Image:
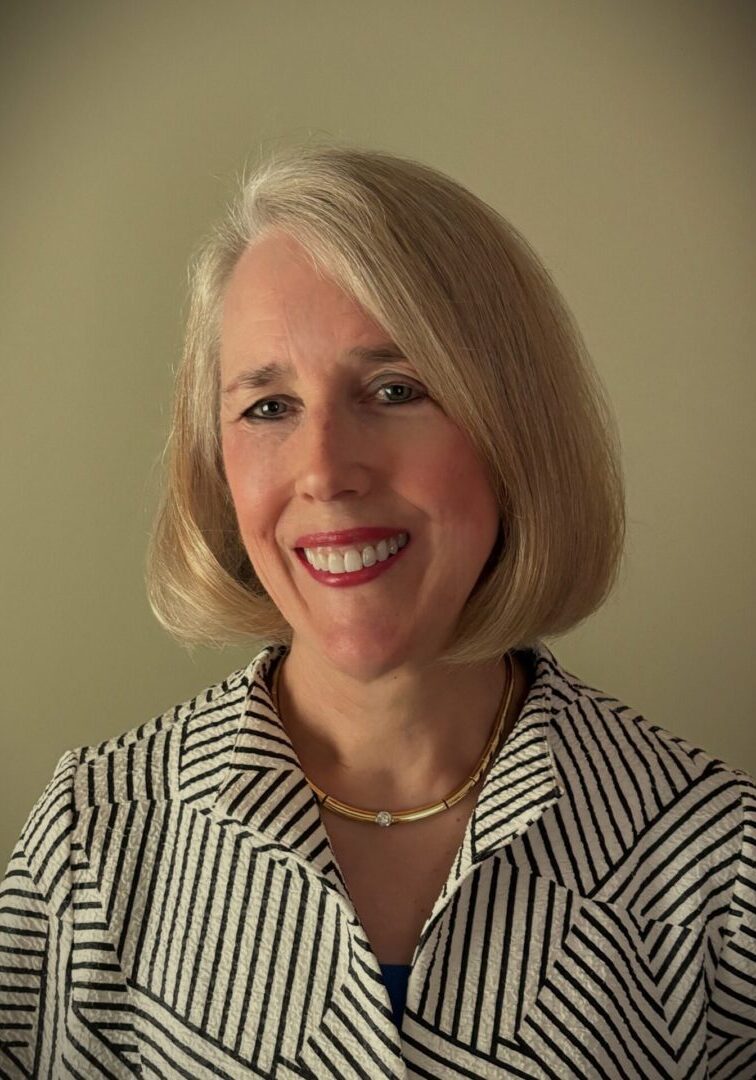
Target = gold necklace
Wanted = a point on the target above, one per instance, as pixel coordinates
(386, 817)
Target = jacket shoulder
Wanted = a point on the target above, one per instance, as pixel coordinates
(639, 776)
(187, 714)
(174, 755)
(169, 756)
(626, 734)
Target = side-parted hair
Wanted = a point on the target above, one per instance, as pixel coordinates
(469, 302)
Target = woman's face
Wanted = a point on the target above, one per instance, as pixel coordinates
(336, 444)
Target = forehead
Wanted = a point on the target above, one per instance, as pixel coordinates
(275, 287)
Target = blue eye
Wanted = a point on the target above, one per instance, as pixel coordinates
(251, 416)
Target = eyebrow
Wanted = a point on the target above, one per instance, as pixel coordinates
(268, 373)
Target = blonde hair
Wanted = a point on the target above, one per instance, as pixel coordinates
(462, 294)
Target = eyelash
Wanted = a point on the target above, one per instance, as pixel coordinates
(247, 414)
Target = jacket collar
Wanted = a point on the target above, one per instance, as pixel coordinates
(264, 789)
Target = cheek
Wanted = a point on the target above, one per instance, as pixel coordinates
(462, 491)
(233, 468)
(246, 484)
(464, 519)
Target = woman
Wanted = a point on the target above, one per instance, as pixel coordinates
(391, 462)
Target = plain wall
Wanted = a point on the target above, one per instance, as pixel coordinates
(618, 138)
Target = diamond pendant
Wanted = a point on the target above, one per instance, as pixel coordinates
(383, 817)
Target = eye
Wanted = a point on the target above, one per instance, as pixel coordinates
(270, 408)
(392, 392)
(407, 393)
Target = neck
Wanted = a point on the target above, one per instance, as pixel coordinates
(406, 737)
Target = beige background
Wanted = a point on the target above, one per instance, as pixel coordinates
(618, 137)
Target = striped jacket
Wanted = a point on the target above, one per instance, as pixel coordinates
(173, 909)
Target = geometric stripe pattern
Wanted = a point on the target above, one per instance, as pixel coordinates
(173, 908)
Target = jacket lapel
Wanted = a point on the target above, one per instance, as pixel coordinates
(264, 788)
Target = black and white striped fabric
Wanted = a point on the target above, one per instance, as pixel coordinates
(173, 909)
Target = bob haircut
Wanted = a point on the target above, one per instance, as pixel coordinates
(465, 297)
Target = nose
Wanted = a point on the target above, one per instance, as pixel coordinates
(332, 456)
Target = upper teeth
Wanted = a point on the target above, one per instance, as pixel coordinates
(347, 560)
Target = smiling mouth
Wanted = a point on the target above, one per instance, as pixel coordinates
(336, 572)
(350, 559)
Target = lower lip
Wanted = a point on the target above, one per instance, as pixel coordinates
(357, 577)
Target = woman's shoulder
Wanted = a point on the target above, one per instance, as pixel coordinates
(597, 740)
(167, 756)
(204, 710)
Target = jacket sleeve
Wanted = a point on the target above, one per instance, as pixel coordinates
(35, 917)
(732, 1005)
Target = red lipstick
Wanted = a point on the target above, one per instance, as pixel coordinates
(361, 535)
(356, 577)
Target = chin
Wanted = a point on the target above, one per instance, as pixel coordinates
(366, 656)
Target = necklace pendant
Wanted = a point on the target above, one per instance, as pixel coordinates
(383, 817)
